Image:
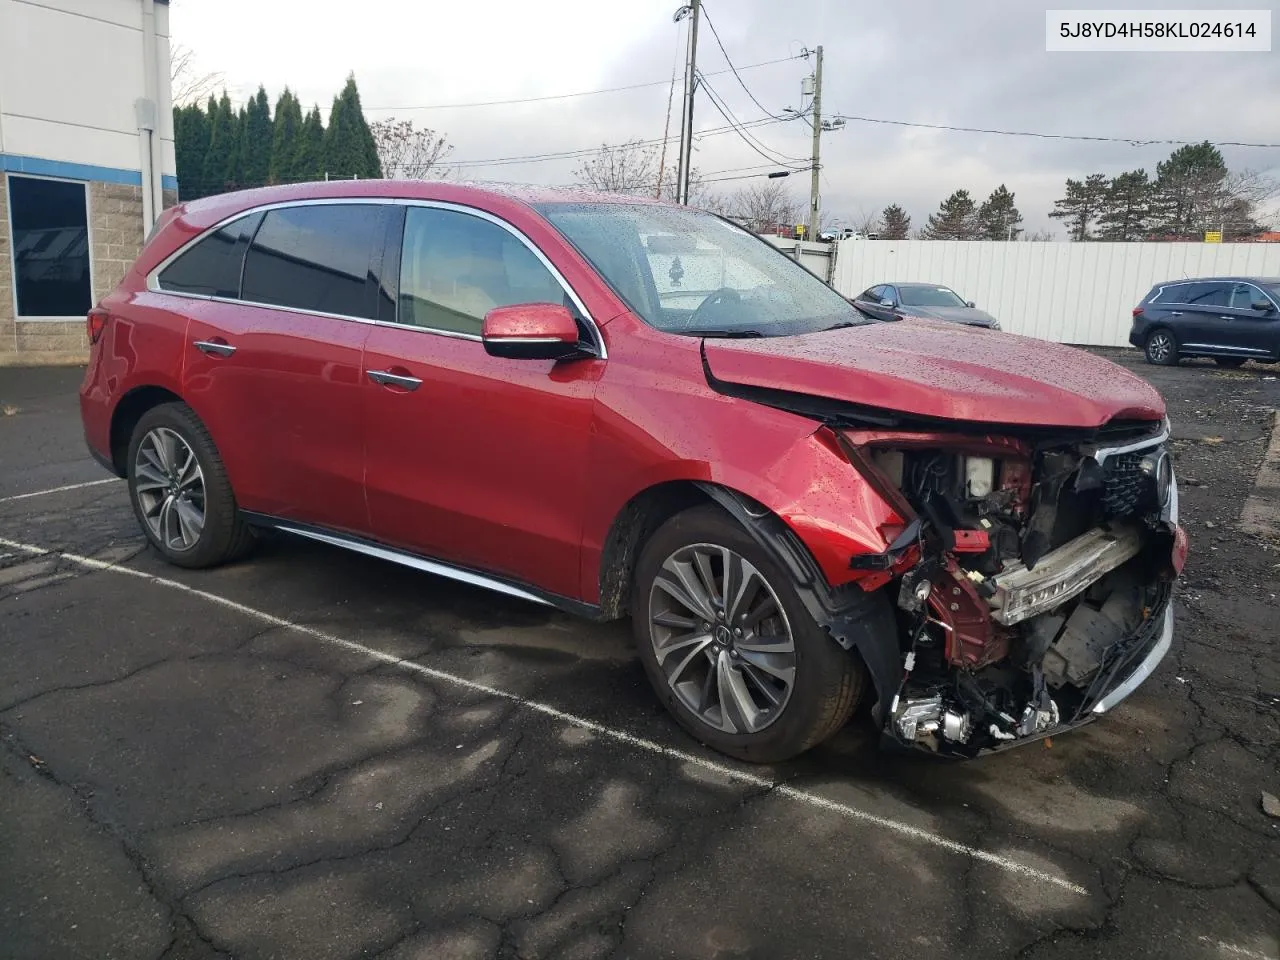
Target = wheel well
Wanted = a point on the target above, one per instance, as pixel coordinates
(1157, 328)
(635, 523)
(126, 416)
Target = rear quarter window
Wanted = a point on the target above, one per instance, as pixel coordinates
(211, 266)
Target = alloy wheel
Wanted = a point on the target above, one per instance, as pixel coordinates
(169, 485)
(721, 638)
(1159, 347)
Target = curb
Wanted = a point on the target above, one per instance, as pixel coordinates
(1261, 513)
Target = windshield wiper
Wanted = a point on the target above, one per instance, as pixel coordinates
(846, 323)
(727, 334)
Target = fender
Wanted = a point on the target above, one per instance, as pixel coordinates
(861, 622)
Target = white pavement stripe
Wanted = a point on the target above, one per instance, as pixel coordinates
(70, 486)
(1231, 950)
(620, 736)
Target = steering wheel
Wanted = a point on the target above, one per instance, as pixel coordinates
(715, 299)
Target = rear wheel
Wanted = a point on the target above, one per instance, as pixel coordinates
(729, 646)
(180, 491)
(1161, 348)
(1230, 363)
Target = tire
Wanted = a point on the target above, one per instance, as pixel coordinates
(169, 432)
(1161, 347)
(826, 681)
(1231, 363)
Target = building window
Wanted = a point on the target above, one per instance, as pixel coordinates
(50, 224)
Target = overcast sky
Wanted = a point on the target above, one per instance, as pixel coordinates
(978, 63)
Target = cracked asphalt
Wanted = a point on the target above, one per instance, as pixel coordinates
(303, 776)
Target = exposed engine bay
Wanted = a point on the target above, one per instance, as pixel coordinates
(1031, 577)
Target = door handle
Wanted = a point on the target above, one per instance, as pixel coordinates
(214, 348)
(388, 379)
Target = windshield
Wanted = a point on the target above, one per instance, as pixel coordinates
(687, 271)
(922, 296)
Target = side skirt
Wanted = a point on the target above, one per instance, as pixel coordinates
(476, 578)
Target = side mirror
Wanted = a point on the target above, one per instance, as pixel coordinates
(1262, 306)
(970, 304)
(887, 303)
(531, 331)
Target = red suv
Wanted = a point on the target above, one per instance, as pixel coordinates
(619, 407)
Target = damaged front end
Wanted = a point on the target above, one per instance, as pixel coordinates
(1032, 576)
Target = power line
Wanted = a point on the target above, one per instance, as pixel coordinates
(1132, 141)
(587, 151)
(725, 53)
(567, 96)
(738, 127)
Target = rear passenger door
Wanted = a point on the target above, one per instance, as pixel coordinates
(470, 458)
(275, 371)
(1205, 325)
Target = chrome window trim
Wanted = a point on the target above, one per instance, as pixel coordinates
(153, 277)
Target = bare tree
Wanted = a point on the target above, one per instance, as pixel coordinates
(764, 207)
(630, 167)
(407, 153)
(186, 82)
(1038, 236)
(866, 223)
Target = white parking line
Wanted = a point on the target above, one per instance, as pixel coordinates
(1231, 950)
(70, 486)
(620, 736)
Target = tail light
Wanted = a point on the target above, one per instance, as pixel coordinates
(1138, 311)
(95, 323)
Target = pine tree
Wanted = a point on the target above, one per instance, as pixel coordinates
(955, 219)
(1126, 207)
(190, 144)
(1190, 190)
(1081, 205)
(308, 160)
(349, 148)
(284, 138)
(897, 224)
(255, 145)
(218, 172)
(998, 218)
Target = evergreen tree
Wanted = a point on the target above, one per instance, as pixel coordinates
(1126, 207)
(1081, 205)
(255, 144)
(308, 160)
(897, 224)
(284, 138)
(190, 144)
(1190, 190)
(349, 148)
(998, 218)
(219, 170)
(955, 219)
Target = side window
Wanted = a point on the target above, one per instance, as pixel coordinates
(889, 293)
(1208, 295)
(316, 258)
(211, 267)
(1243, 296)
(455, 268)
(870, 295)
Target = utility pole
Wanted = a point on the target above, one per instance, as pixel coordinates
(817, 146)
(686, 123)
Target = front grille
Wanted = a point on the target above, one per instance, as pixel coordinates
(1126, 490)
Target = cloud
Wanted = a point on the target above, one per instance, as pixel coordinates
(980, 63)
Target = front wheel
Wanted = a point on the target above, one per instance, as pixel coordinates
(180, 491)
(1161, 348)
(729, 646)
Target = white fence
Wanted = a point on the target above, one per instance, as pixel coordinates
(816, 256)
(1082, 293)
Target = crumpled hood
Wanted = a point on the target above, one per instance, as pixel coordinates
(970, 315)
(943, 370)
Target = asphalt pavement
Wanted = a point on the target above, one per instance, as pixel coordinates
(314, 754)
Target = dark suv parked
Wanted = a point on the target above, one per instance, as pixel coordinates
(1231, 319)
